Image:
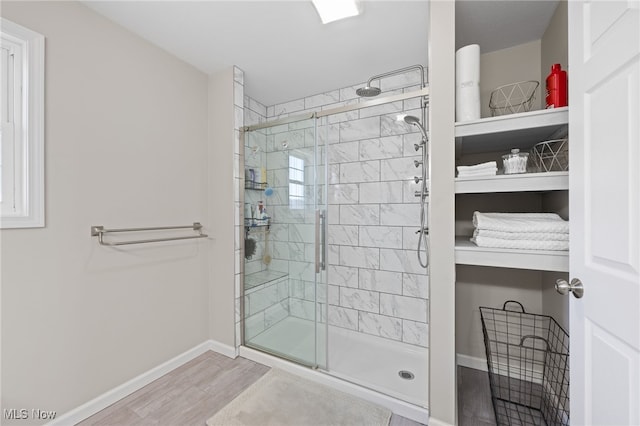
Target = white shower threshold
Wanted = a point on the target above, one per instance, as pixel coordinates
(361, 365)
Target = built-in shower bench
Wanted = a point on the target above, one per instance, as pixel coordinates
(262, 278)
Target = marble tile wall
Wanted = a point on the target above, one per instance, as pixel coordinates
(265, 306)
(294, 227)
(375, 284)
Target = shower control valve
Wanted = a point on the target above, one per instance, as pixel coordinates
(420, 194)
(424, 230)
(417, 163)
(417, 179)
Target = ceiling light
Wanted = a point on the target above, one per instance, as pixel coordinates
(332, 10)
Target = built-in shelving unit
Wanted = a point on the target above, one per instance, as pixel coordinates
(500, 134)
(549, 181)
(467, 253)
(510, 131)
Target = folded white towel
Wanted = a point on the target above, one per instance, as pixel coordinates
(539, 236)
(520, 222)
(521, 244)
(481, 166)
(477, 173)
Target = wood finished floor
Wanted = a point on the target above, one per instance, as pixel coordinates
(474, 398)
(190, 394)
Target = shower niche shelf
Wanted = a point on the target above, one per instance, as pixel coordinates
(467, 253)
(255, 224)
(255, 186)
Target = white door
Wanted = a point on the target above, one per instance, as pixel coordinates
(604, 130)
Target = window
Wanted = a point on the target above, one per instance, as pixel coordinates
(296, 183)
(22, 130)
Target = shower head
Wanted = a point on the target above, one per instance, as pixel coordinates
(415, 121)
(368, 91)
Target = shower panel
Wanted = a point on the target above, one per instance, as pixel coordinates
(423, 240)
(284, 288)
(371, 91)
(351, 296)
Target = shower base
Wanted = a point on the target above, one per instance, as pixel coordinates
(366, 360)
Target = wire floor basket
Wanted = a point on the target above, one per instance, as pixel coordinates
(528, 360)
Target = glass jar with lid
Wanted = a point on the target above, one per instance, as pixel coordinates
(515, 162)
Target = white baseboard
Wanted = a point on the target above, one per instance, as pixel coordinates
(397, 406)
(223, 349)
(505, 369)
(101, 402)
(436, 422)
(471, 362)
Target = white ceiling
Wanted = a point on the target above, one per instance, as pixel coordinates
(496, 25)
(285, 51)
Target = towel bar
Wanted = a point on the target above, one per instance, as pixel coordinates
(99, 231)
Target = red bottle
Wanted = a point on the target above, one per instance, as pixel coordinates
(557, 87)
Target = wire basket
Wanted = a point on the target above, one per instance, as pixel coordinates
(528, 360)
(551, 155)
(513, 98)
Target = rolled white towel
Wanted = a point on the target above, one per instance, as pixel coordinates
(521, 244)
(520, 222)
(535, 236)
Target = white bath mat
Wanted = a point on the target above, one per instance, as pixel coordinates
(279, 398)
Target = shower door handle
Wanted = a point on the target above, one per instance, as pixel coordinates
(320, 241)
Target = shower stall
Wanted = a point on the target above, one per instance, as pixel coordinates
(335, 187)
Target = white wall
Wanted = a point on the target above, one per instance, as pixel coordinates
(478, 286)
(555, 44)
(126, 144)
(511, 65)
(222, 207)
(442, 315)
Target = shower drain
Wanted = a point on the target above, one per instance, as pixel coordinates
(407, 375)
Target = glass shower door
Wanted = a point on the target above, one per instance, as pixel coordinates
(284, 276)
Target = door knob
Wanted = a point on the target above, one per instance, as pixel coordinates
(576, 287)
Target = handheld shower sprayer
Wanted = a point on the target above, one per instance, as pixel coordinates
(415, 121)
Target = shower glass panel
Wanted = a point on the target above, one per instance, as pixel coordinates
(364, 318)
(284, 302)
(377, 289)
